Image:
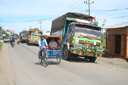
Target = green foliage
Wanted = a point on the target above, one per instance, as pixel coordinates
(3, 32)
(0, 27)
(7, 35)
(122, 65)
(103, 39)
(0, 45)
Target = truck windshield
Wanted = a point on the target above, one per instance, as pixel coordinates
(6, 38)
(87, 31)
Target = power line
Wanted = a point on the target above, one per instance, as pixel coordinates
(26, 20)
(70, 9)
(70, 6)
(39, 19)
(111, 9)
(52, 18)
(75, 6)
(115, 17)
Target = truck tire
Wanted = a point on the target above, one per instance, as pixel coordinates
(66, 53)
(28, 42)
(92, 59)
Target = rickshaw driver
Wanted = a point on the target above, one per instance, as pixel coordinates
(53, 44)
(42, 44)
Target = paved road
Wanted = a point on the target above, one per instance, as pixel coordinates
(27, 71)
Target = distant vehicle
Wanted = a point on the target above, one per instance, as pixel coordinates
(33, 36)
(15, 36)
(1, 38)
(18, 42)
(23, 36)
(6, 39)
(13, 43)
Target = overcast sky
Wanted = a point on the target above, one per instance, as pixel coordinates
(26, 10)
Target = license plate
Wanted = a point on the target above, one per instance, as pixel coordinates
(88, 53)
(77, 52)
(98, 54)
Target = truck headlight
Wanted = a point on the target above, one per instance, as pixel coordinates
(92, 48)
(87, 46)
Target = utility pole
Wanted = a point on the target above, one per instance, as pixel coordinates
(104, 22)
(40, 22)
(30, 27)
(88, 2)
(1, 29)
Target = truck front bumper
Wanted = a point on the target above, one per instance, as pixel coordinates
(82, 52)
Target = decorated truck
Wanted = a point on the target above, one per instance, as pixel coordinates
(15, 36)
(80, 36)
(23, 36)
(33, 36)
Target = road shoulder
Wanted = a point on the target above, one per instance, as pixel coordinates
(6, 74)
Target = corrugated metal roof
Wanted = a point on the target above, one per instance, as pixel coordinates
(124, 24)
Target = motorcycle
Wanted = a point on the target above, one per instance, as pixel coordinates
(13, 43)
(18, 42)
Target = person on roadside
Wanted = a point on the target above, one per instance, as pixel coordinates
(53, 44)
(11, 40)
(42, 44)
(18, 40)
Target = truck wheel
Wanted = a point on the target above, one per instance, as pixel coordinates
(28, 43)
(92, 59)
(66, 53)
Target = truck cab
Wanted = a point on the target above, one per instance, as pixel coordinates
(82, 39)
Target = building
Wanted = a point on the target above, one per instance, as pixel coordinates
(10, 32)
(1, 37)
(117, 39)
(47, 33)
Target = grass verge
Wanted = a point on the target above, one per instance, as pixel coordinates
(122, 65)
(0, 45)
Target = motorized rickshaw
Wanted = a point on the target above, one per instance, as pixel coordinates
(53, 54)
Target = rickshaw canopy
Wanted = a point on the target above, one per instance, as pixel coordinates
(56, 38)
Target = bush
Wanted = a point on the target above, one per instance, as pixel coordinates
(0, 45)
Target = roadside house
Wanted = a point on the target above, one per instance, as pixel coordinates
(117, 40)
(10, 32)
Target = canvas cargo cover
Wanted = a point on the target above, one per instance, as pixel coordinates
(24, 33)
(59, 22)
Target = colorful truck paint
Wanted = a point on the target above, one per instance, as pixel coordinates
(87, 44)
(34, 36)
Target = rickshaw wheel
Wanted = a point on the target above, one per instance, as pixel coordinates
(39, 58)
(58, 60)
(45, 61)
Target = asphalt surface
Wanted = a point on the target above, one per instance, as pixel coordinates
(27, 70)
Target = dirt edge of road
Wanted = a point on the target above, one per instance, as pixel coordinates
(6, 74)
